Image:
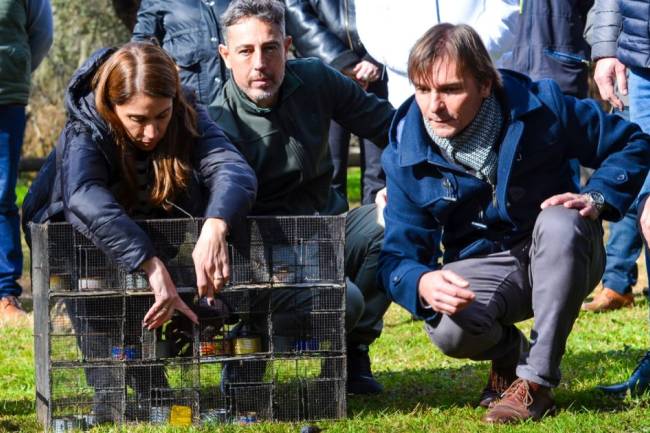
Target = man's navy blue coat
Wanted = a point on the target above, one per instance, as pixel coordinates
(544, 130)
(82, 174)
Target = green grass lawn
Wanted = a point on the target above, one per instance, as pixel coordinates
(425, 391)
(354, 186)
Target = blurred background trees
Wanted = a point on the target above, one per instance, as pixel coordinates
(80, 27)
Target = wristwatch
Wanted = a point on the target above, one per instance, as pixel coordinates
(596, 200)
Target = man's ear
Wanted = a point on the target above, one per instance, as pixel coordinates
(225, 52)
(486, 88)
(288, 40)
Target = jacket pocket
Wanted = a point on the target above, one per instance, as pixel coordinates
(187, 58)
(188, 47)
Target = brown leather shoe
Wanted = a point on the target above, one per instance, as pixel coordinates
(523, 400)
(11, 311)
(607, 300)
(498, 382)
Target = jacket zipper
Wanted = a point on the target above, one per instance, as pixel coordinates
(346, 23)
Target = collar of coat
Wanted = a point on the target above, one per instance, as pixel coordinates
(408, 127)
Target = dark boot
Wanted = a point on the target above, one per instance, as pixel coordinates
(638, 382)
(360, 378)
(498, 382)
(523, 400)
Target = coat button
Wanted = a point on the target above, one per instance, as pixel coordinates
(214, 39)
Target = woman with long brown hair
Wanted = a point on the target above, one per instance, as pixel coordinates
(134, 146)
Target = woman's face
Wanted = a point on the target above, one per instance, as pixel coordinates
(145, 119)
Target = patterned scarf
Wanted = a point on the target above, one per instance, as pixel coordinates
(474, 146)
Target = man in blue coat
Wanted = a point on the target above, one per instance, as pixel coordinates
(484, 157)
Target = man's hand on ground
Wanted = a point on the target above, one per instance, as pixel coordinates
(445, 291)
(610, 71)
(569, 200)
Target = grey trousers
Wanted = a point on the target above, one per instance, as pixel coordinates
(546, 277)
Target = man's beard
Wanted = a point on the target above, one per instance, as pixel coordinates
(263, 95)
(271, 92)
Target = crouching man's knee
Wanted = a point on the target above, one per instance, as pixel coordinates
(562, 226)
(450, 338)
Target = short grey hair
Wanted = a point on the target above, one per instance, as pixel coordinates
(269, 11)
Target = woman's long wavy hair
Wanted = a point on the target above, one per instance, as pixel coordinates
(144, 68)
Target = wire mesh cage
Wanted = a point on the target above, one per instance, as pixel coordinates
(271, 346)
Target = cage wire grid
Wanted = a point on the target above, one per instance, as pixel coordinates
(272, 347)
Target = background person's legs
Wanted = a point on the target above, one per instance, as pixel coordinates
(624, 243)
(12, 128)
(639, 91)
(372, 175)
(621, 273)
(339, 141)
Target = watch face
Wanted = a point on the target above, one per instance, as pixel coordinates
(597, 200)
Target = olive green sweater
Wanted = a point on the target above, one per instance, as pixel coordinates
(287, 145)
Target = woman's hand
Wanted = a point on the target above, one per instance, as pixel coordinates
(167, 299)
(210, 256)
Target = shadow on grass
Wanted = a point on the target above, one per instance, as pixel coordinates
(443, 388)
(17, 407)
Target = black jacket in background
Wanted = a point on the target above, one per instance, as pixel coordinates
(326, 29)
(555, 25)
(189, 31)
(80, 177)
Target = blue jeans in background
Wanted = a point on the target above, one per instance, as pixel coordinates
(625, 241)
(12, 129)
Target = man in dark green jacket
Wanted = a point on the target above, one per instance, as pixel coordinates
(278, 112)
